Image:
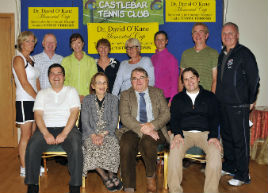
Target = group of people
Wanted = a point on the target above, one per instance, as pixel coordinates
(214, 90)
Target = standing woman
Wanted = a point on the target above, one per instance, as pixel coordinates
(109, 66)
(122, 81)
(99, 121)
(79, 67)
(27, 86)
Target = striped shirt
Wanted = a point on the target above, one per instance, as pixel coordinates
(42, 63)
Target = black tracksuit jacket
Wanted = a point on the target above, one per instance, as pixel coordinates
(240, 81)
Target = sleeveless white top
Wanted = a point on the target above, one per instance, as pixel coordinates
(32, 74)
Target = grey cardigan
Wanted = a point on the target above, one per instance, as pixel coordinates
(89, 114)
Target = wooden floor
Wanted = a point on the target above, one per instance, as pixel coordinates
(58, 177)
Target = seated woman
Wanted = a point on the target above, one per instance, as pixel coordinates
(122, 81)
(99, 121)
(105, 64)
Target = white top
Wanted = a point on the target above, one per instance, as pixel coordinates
(192, 96)
(122, 81)
(149, 108)
(56, 106)
(32, 75)
(42, 63)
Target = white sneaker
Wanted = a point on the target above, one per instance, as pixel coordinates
(235, 182)
(42, 170)
(22, 172)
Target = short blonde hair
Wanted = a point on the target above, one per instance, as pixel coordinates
(23, 36)
(134, 42)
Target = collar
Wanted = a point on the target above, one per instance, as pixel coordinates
(161, 52)
(200, 89)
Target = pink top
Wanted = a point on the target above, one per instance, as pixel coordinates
(166, 72)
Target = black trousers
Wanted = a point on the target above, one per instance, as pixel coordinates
(234, 123)
(37, 145)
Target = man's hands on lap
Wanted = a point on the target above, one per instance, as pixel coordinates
(216, 142)
(148, 129)
(177, 140)
(50, 139)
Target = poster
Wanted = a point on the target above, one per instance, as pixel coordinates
(53, 18)
(190, 10)
(118, 34)
(123, 11)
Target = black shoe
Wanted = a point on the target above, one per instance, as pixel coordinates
(74, 189)
(32, 188)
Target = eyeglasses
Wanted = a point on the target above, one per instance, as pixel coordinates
(101, 83)
(136, 79)
(131, 47)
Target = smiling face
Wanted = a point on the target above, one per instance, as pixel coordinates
(199, 34)
(100, 85)
(28, 44)
(132, 51)
(49, 43)
(139, 81)
(191, 82)
(229, 36)
(160, 42)
(103, 50)
(77, 45)
(56, 78)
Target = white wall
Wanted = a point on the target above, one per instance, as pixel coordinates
(251, 16)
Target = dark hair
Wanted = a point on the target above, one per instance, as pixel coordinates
(56, 65)
(103, 42)
(93, 81)
(139, 69)
(161, 32)
(74, 37)
(189, 69)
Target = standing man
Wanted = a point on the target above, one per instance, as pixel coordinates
(144, 114)
(201, 57)
(194, 122)
(55, 110)
(46, 58)
(237, 87)
(166, 69)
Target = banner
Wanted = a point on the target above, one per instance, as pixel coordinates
(190, 10)
(53, 18)
(118, 34)
(122, 11)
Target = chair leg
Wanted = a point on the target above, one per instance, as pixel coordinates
(165, 170)
(45, 166)
(83, 182)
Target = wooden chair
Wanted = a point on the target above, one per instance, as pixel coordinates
(54, 151)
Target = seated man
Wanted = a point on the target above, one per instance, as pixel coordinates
(194, 122)
(55, 110)
(144, 114)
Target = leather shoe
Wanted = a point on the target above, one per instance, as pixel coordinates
(151, 185)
